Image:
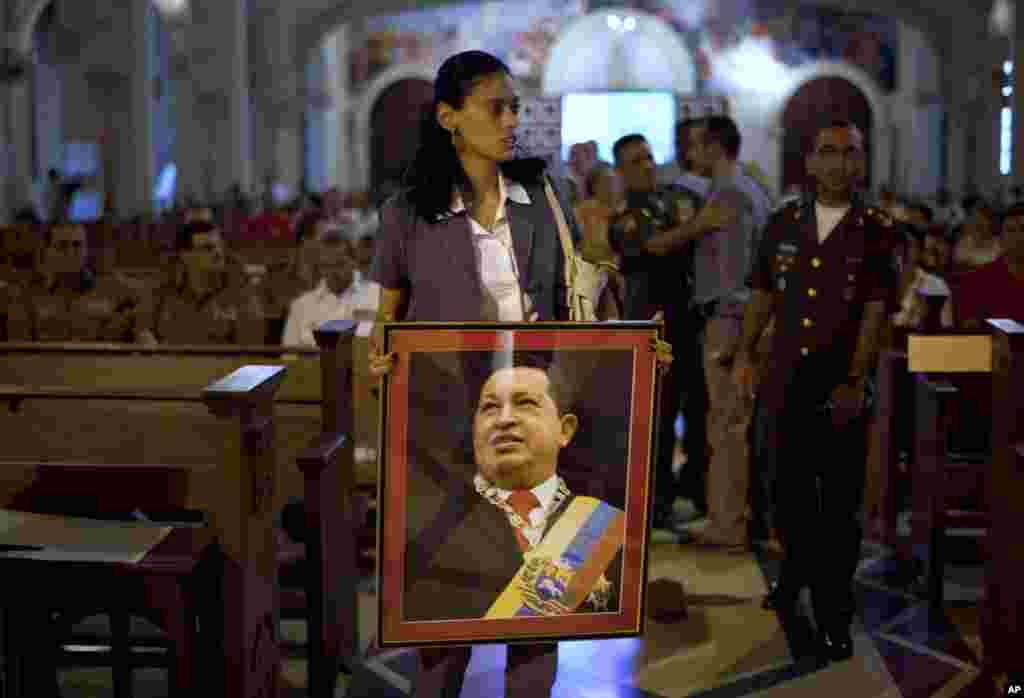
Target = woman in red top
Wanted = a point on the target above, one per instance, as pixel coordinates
(996, 290)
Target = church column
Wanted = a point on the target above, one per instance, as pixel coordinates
(15, 125)
(281, 103)
(188, 185)
(187, 135)
(342, 110)
(18, 166)
(288, 145)
(226, 95)
(134, 167)
(958, 87)
(1017, 55)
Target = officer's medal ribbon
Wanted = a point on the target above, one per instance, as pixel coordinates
(568, 565)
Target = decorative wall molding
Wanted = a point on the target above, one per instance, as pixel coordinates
(881, 117)
(363, 112)
(575, 61)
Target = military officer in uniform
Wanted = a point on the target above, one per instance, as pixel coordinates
(206, 304)
(66, 301)
(826, 269)
(660, 282)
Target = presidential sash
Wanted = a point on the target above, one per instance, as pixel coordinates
(567, 565)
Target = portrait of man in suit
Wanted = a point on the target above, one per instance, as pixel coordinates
(506, 537)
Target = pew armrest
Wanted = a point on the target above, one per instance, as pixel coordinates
(316, 457)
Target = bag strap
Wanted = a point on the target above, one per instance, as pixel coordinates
(563, 229)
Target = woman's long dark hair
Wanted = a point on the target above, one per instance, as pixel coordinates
(436, 171)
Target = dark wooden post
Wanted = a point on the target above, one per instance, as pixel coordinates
(1003, 614)
(333, 518)
(880, 503)
(243, 519)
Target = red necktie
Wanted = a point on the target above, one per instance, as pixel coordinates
(522, 503)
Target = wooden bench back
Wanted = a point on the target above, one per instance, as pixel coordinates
(950, 352)
(225, 468)
(960, 361)
(117, 367)
(213, 454)
(154, 376)
(124, 403)
(1008, 394)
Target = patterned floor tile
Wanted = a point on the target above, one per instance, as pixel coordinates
(965, 618)
(878, 607)
(726, 648)
(921, 628)
(863, 676)
(917, 674)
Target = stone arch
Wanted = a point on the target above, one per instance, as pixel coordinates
(667, 60)
(363, 111)
(881, 165)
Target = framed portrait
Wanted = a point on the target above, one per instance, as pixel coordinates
(516, 481)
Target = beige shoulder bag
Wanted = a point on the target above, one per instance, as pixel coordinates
(584, 281)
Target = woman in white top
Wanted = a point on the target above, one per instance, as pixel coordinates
(473, 238)
(607, 200)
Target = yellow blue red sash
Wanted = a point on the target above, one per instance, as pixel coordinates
(558, 575)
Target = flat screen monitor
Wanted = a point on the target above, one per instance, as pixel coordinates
(607, 116)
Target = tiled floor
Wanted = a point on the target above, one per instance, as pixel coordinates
(726, 647)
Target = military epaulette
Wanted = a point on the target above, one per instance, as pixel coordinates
(880, 217)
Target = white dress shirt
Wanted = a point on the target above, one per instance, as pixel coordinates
(313, 308)
(495, 256)
(828, 218)
(545, 494)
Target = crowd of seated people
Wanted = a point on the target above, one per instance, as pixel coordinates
(963, 254)
(188, 277)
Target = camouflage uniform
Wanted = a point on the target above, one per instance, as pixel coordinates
(92, 310)
(224, 316)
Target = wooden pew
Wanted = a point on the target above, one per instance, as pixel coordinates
(162, 370)
(157, 377)
(238, 615)
(949, 467)
(880, 504)
(335, 514)
(1002, 621)
(892, 425)
(92, 374)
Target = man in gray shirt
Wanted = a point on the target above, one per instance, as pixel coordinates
(724, 232)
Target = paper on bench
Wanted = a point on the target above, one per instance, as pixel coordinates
(78, 539)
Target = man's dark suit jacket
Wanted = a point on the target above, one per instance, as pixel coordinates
(457, 568)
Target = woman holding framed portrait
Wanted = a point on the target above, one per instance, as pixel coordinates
(474, 237)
